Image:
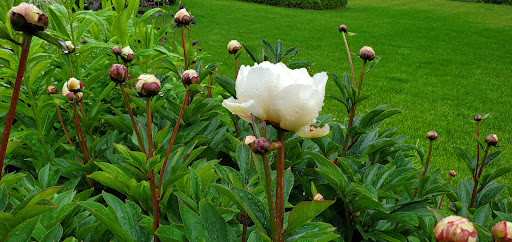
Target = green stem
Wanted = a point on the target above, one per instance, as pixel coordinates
(477, 178)
(442, 197)
(79, 134)
(236, 67)
(127, 103)
(270, 197)
(426, 165)
(348, 217)
(349, 59)
(184, 47)
(149, 124)
(25, 43)
(70, 65)
(477, 150)
(280, 186)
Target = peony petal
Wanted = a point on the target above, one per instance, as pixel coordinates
(320, 80)
(243, 110)
(311, 131)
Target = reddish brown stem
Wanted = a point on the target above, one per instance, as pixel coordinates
(236, 67)
(79, 133)
(176, 126)
(349, 59)
(184, 46)
(244, 229)
(210, 81)
(154, 194)
(25, 47)
(426, 164)
(125, 97)
(477, 178)
(442, 197)
(149, 124)
(280, 185)
(477, 150)
(270, 197)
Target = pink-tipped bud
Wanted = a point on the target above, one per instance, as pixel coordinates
(52, 90)
(452, 173)
(147, 85)
(71, 46)
(455, 228)
(502, 232)
(259, 146)
(116, 50)
(491, 139)
(249, 139)
(318, 197)
(342, 28)
(234, 46)
(190, 77)
(432, 135)
(27, 18)
(478, 118)
(74, 85)
(127, 54)
(118, 73)
(366, 53)
(182, 17)
(70, 95)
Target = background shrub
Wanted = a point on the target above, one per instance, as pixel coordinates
(307, 4)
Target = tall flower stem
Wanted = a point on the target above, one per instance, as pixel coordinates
(127, 103)
(184, 46)
(236, 67)
(442, 197)
(427, 163)
(270, 197)
(349, 59)
(353, 110)
(25, 47)
(477, 178)
(477, 149)
(79, 133)
(70, 65)
(280, 186)
(174, 132)
(154, 195)
(210, 82)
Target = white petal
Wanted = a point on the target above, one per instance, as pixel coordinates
(320, 80)
(243, 110)
(310, 131)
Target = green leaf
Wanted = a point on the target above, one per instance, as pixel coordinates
(53, 234)
(52, 40)
(11, 179)
(105, 217)
(215, 223)
(227, 84)
(483, 216)
(32, 210)
(57, 19)
(250, 51)
(119, 29)
(195, 228)
(299, 64)
(23, 232)
(124, 216)
(119, 5)
(170, 233)
(438, 214)
(49, 176)
(488, 178)
(305, 212)
(312, 231)
(488, 194)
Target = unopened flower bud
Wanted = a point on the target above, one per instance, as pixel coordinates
(274, 145)
(260, 146)
(455, 228)
(71, 46)
(116, 50)
(190, 77)
(478, 118)
(234, 46)
(74, 85)
(27, 18)
(147, 85)
(318, 197)
(70, 95)
(127, 54)
(491, 139)
(182, 17)
(432, 135)
(366, 53)
(343, 28)
(118, 73)
(52, 90)
(249, 139)
(452, 173)
(502, 232)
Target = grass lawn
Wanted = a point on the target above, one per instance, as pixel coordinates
(443, 61)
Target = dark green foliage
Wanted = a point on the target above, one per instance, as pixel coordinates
(307, 4)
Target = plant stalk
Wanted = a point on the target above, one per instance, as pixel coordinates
(349, 59)
(477, 149)
(154, 195)
(79, 134)
(127, 103)
(25, 47)
(236, 67)
(70, 65)
(477, 178)
(429, 154)
(184, 46)
(210, 81)
(280, 186)
(270, 197)
(442, 197)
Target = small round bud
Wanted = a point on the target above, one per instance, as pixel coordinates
(190, 77)
(182, 17)
(318, 197)
(366, 53)
(71, 46)
(452, 173)
(259, 146)
(478, 118)
(118, 73)
(502, 231)
(455, 228)
(74, 85)
(491, 139)
(52, 90)
(27, 18)
(116, 50)
(234, 46)
(343, 28)
(249, 139)
(127, 54)
(432, 135)
(147, 85)
(70, 95)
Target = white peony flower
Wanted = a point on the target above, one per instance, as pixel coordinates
(289, 98)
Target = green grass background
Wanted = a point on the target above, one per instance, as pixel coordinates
(442, 61)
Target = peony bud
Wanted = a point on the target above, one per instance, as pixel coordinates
(432, 135)
(452, 173)
(71, 46)
(491, 139)
(190, 77)
(259, 146)
(249, 139)
(366, 53)
(343, 28)
(502, 232)
(478, 118)
(233, 47)
(71, 95)
(116, 50)
(127, 54)
(27, 18)
(74, 85)
(318, 197)
(182, 17)
(147, 85)
(118, 73)
(455, 228)
(52, 90)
